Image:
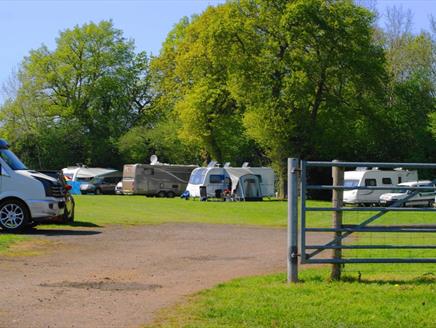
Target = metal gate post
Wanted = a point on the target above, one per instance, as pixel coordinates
(292, 220)
(337, 201)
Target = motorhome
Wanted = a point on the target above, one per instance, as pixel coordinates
(246, 183)
(155, 179)
(27, 197)
(423, 197)
(373, 178)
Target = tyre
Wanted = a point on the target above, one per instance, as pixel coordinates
(161, 194)
(171, 194)
(14, 215)
(98, 191)
(431, 203)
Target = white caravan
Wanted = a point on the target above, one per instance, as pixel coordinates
(26, 196)
(424, 197)
(373, 178)
(247, 183)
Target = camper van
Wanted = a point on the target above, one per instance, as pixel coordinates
(155, 179)
(26, 196)
(373, 178)
(245, 183)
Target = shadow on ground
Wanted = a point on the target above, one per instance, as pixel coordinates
(83, 224)
(60, 232)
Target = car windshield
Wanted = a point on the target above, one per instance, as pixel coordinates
(12, 160)
(351, 183)
(197, 176)
(96, 180)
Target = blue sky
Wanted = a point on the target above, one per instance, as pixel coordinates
(26, 24)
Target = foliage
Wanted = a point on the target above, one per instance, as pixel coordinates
(192, 83)
(77, 100)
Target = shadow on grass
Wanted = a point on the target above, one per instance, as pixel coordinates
(425, 279)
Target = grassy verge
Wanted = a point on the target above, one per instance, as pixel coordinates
(6, 241)
(379, 301)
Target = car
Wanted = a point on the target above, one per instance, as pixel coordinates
(68, 216)
(101, 184)
(424, 197)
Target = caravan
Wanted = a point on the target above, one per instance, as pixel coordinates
(155, 179)
(247, 183)
(373, 178)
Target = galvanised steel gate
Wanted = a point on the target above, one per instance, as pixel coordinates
(298, 188)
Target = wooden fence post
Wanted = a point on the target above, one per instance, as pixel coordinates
(337, 202)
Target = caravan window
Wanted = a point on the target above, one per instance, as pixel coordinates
(370, 182)
(216, 178)
(387, 181)
(351, 183)
(148, 171)
(197, 176)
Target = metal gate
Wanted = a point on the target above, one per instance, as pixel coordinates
(366, 222)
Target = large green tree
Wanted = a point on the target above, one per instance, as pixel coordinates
(76, 101)
(192, 83)
(308, 74)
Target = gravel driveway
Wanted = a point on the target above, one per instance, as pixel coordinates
(120, 276)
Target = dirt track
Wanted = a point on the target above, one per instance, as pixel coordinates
(120, 276)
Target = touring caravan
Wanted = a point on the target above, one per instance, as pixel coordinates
(247, 183)
(155, 179)
(373, 178)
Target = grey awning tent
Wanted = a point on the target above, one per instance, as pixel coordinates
(245, 183)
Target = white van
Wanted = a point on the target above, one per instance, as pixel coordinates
(373, 178)
(26, 197)
(247, 183)
(422, 198)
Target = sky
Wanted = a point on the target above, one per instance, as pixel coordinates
(27, 24)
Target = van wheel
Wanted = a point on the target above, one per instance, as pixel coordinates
(14, 215)
(171, 194)
(98, 191)
(161, 194)
(431, 203)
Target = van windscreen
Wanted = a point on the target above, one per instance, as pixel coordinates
(197, 176)
(12, 160)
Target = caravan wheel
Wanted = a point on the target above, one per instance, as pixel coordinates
(161, 194)
(171, 194)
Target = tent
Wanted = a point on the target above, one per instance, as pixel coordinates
(245, 183)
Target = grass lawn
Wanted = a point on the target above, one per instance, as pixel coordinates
(269, 302)
(103, 210)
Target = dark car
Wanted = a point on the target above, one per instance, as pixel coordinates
(101, 185)
(68, 216)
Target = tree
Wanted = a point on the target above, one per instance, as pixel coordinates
(303, 70)
(77, 100)
(192, 83)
